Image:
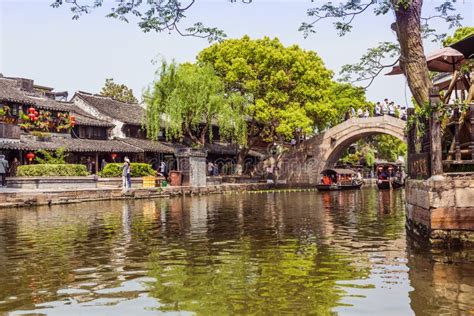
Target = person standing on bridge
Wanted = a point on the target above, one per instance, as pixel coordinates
(353, 112)
(378, 109)
(360, 113)
(366, 113)
(391, 109)
(384, 108)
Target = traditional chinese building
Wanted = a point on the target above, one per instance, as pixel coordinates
(31, 120)
(89, 127)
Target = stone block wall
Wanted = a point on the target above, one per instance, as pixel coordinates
(441, 209)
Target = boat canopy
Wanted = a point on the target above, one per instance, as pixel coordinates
(338, 171)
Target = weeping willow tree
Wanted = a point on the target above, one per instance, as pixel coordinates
(187, 100)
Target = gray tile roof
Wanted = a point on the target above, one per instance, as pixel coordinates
(71, 145)
(129, 113)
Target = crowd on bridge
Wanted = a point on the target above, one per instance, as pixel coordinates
(380, 109)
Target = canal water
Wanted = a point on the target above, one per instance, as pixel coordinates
(273, 253)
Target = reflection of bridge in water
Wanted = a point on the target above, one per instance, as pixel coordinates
(304, 164)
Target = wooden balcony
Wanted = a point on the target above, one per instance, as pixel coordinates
(10, 131)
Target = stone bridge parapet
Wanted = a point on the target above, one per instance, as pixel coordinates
(303, 164)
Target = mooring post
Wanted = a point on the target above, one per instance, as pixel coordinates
(435, 127)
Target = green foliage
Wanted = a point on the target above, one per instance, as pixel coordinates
(288, 88)
(52, 170)
(352, 159)
(118, 92)
(370, 158)
(389, 148)
(385, 147)
(113, 170)
(190, 99)
(459, 34)
(55, 158)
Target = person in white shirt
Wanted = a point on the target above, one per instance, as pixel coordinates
(360, 113)
(366, 113)
(378, 109)
(384, 109)
(391, 109)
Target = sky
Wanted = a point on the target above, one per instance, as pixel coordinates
(45, 44)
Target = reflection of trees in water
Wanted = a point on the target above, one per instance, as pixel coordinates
(46, 245)
(442, 281)
(261, 254)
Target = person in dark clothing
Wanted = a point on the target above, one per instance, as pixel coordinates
(4, 166)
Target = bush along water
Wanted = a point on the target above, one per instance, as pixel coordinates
(113, 170)
(52, 170)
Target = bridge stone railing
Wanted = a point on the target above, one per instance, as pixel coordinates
(303, 164)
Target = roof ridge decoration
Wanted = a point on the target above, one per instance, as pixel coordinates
(106, 97)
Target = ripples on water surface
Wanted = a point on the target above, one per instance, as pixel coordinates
(253, 253)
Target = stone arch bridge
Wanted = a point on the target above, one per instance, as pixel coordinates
(303, 165)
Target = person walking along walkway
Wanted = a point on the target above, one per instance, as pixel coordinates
(3, 170)
(126, 176)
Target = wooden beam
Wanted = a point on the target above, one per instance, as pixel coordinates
(457, 142)
(435, 128)
(96, 163)
(452, 85)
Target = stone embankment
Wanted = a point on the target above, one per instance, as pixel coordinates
(26, 198)
(441, 209)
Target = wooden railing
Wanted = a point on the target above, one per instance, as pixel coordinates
(9, 131)
(435, 147)
(459, 139)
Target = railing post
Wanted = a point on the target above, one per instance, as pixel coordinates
(435, 128)
(457, 142)
(471, 147)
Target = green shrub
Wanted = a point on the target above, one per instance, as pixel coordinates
(52, 170)
(113, 170)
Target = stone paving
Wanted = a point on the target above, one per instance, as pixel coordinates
(10, 197)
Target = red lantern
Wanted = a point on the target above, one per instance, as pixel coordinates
(113, 156)
(31, 116)
(36, 113)
(30, 156)
(72, 123)
(35, 118)
(72, 118)
(31, 110)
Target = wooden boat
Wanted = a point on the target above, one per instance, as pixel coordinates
(339, 179)
(389, 176)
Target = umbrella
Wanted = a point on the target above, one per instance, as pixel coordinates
(446, 59)
(465, 46)
(396, 70)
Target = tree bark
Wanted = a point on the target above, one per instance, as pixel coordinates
(412, 57)
(239, 170)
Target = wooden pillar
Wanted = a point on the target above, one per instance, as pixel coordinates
(435, 128)
(471, 116)
(457, 142)
(96, 163)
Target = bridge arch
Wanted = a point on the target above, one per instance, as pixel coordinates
(304, 165)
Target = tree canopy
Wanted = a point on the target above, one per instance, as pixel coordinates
(118, 91)
(188, 100)
(459, 34)
(288, 87)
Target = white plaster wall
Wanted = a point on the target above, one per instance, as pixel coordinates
(116, 131)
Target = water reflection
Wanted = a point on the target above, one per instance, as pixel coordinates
(272, 253)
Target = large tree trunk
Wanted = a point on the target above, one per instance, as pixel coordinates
(412, 59)
(240, 165)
